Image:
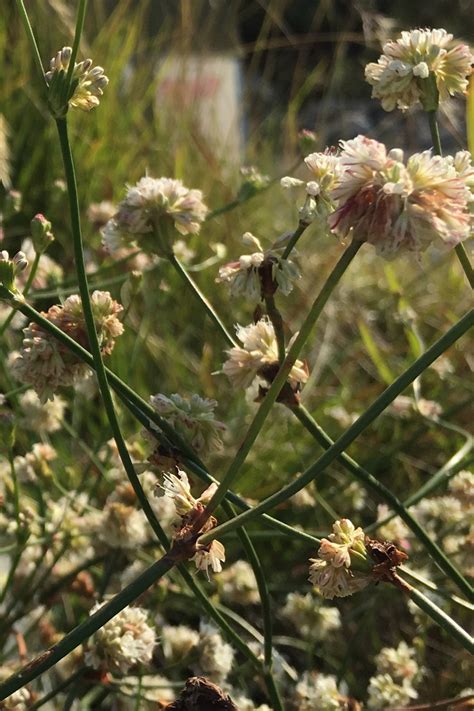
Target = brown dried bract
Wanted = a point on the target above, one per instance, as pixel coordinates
(387, 557)
(199, 694)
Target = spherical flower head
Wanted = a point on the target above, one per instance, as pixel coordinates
(45, 363)
(122, 526)
(397, 206)
(88, 83)
(126, 640)
(193, 418)
(150, 214)
(332, 573)
(258, 354)
(384, 693)
(421, 67)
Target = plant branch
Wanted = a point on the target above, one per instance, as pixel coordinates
(382, 492)
(190, 283)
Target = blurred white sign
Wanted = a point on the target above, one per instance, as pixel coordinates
(209, 88)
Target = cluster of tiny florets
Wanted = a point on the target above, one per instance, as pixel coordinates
(400, 78)
(45, 363)
(150, 212)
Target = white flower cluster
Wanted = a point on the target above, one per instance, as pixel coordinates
(258, 356)
(150, 212)
(248, 274)
(399, 77)
(91, 81)
(177, 642)
(215, 656)
(45, 363)
(317, 692)
(35, 465)
(331, 573)
(42, 417)
(310, 616)
(392, 685)
(394, 204)
(126, 640)
(193, 418)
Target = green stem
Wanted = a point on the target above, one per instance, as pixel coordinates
(351, 434)
(442, 619)
(78, 635)
(58, 689)
(215, 615)
(81, 13)
(91, 330)
(294, 239)
(282, 375)
(265, 601)
(459, 248)
(32, 39)
(29, 281)
(381, 491)
(189, 281)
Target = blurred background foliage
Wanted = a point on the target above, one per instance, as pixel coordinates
(301, 65)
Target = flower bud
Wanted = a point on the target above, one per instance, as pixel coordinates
(41, 233)
(9, 268)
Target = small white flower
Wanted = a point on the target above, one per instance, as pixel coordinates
(210, 556)
(42, 417)
(399, 662)
(310, 616)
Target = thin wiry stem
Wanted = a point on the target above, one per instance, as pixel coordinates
(205, 303)
(459, 249)
(34, 45)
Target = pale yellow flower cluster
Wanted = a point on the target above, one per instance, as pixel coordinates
(401, 77)
(90, 81)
